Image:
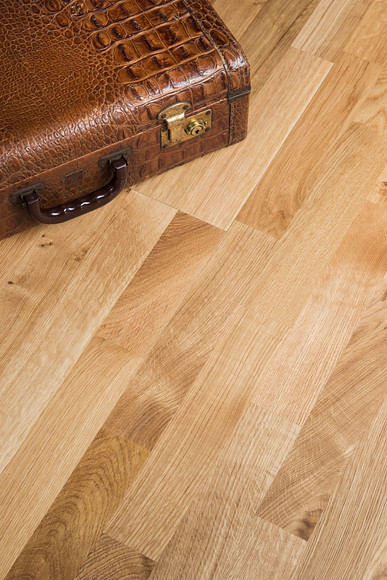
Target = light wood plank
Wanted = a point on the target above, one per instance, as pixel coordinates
(301, 255)
(301, 160)
(369, 38)
(378, 194)
(57, 441)
(150, 513)
(314, 345)
(345, 408)
(156, 392)
(238, 16)
(350, 539)
(373, 111)
(65, 287)
(160, 285)
(110, 559)
(268, 552)
(271, 33)
(330, 27)
(221, 524)
(211, 188)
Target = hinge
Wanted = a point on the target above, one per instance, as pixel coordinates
(179, 128)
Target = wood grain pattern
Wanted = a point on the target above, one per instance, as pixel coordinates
(240, 15)
(76, 519)
(159, 286)
(373, 111)
(330, 27)
(368, 40)
(302, 159)
(110, 559)
(348, 547)
(302, 254)
(314, 345)
(40, 306)
(345, 408)
(59, 438)
(159, 387)
(228, 534)
(201, 428)
(221, 198)
(378, 193)
(199, 395)
(271, 33)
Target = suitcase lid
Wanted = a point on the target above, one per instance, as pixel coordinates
(81, 75)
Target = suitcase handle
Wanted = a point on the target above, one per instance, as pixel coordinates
(72, 209)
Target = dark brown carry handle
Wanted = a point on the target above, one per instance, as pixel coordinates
(72, 209)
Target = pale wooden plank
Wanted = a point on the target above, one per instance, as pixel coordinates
(344, 409)
(373, 111)
(271, 33)
(156, 392)
(55, 444)
(221, 524)
(301, 255)
(160, 285)
(63, 288)
(238, 16)
(330, 27)
(110, 559)
(350, 539)
(301, 160)
(314, 345)
(378, 193)
(369, 38)
(211, 188)
(148, 516)
(267, 552)
(19, 245)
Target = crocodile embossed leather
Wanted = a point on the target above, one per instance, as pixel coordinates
(83, 79)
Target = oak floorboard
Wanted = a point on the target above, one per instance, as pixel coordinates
(205, 188)
(221, 523)
(57, 441)
(368, 40)
(163, 380)
(110, 559)
(271, 33)
(350, 539)
(314, 345)
(67, 283)
(160, 285)
(378, 194)
(203, 425)
(302, 254)
(239, 15)
(330, 27)
(301, 160)
(344, 409)
(74, 522)
(373, 111)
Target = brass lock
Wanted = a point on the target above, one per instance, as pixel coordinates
(179, 128)
(196, 128)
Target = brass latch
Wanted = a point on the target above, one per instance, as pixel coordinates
(179, 128)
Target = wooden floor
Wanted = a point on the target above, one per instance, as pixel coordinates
(193, 376)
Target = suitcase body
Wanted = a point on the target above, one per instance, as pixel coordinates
(99, 94)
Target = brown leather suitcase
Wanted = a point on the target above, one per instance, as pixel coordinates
(99, 94)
